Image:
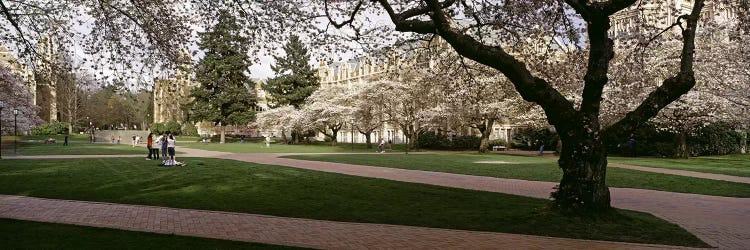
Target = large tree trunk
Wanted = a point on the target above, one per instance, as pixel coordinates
(484, 144)
(743, 142)
(413, 138)
(405, 129)
(680, 143)
(295, 137)
(334, 136)
(485, 129)
(583, 160)
(222, 138)
(368, 138)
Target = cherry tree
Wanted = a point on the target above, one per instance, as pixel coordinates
(411, 103)
(475, 96)
(368, 109)
(15, 95)
(719, 95)
(330, 109)
(583, 157)
(284, 118)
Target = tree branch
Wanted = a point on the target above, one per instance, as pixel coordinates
(592, 10)
(15, 25)
(672, 88)
(557, 108)
(351, 16)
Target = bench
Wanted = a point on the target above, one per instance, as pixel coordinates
(496, 148)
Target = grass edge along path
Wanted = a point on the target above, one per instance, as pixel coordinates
(313, 147)
(734, 165)
(534, 169)
(20, 234)
(227, 185)
(75, 148)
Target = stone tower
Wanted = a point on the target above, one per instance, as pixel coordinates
(47, 60)
(170, 93)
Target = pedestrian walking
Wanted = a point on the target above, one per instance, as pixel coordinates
(65, 143)
(631, 146)
(268, 141)
(380, 145)
(541, 148)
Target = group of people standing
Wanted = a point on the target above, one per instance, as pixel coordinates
(167, 144)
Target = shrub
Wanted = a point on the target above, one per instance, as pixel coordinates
(157, 128)
(174, 127)
(432, 140)
(529, 138)
(499, 142)
(715, 139)
(649, 141)
(189, 129)
(51, 128)
(466, 142)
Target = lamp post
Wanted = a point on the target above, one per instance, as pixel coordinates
(2, 105)
(15, 130)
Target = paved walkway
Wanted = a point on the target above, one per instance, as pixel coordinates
(280, 230)
(719, 221)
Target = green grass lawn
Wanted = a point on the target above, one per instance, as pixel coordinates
(16, 234)
(314, 147)
(226, 185)
(75, 148)
(537, 169)
(59, 138)
(737, 165)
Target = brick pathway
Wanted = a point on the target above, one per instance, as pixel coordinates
(280, 230)
(719, 221)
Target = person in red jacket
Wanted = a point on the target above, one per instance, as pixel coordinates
(149, 144)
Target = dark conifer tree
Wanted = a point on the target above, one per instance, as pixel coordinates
(226, 93)
(295, 79)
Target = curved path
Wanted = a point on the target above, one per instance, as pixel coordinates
(719, 221)
(280, 230)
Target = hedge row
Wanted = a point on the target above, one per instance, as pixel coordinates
(432, 140)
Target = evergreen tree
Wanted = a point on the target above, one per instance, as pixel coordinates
(224, 95)
(295, 80)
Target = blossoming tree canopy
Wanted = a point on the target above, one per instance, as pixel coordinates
(583, 156)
